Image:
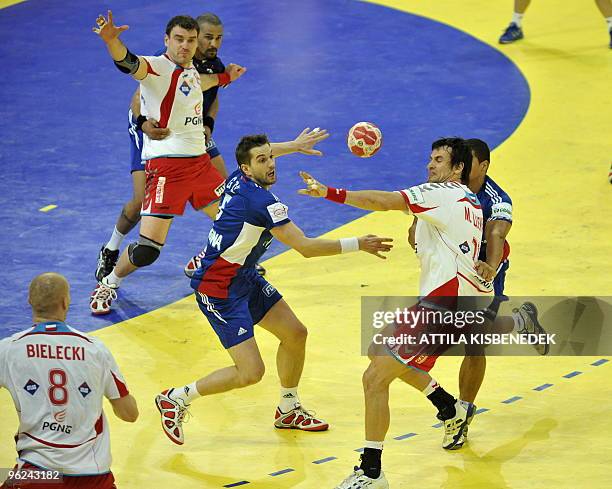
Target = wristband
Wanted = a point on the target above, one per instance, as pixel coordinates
(348, 245)
(224, 79)
(140, 120)
(336, 195)
(209, 122)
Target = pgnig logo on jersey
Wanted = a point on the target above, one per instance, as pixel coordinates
(194, 121)
(53, 426)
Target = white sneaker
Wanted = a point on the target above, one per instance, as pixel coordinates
(358, 480)
(299, 419)
(102, 297)
(173, 414)
(454, 428)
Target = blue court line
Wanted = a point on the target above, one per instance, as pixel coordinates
(512, 399)
(281, 472)
(482, 410)
(236, 484)
(542, 387)
(572, 374)
(323, 460)
(403, 437)
(600, 362)
(437, 425)
(359, 450)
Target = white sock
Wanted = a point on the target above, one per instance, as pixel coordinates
(519, 322)
(609, 22)
(289, 399)
(378, 445)
(115, 241)
(112, 279)
(517, 19)
(432, 386)
(186, 393)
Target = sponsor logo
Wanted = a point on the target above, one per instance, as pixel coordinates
(464, 247)
(198, 108)
(60, 416)
(187, 389)
(57, 427)
(185, 88)
(220, 189)
(278, 212)
(84, 389)
(415, 196)
(241, 331)
(268, 290)
(31, 387)
(215, 239)
(194, 121)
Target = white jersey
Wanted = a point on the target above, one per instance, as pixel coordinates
(58, 377)
(448, 237)
(172, 95)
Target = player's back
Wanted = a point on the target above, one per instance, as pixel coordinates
(57, 377)
(448, 237)
(239, 237)
(496, 206)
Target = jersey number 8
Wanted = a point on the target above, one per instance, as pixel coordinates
(58, 394)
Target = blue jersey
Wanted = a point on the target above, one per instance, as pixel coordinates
(496, 206)
(208, 67)
(239, 237)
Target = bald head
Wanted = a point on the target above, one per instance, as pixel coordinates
(50, 296)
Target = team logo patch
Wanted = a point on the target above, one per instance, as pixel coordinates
(415, 196)
(278, 212)
(185, 88)
(268, 290)
(84, 389)
(31, 387)
(198, 108)
(464, 247)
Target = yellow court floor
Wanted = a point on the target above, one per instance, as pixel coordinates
(555, 167)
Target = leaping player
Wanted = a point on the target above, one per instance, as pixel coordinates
(234, 298)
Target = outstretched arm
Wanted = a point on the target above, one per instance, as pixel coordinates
(370, 200)
(304, 143)
(294, 237)
(232, 73)
(124, 59)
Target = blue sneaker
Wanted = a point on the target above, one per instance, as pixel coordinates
(512, 33)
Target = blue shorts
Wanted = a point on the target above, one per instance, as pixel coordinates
(233, 319)
(211, 149)
(135, 145)
(500, 279)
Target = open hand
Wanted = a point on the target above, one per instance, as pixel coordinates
(307, 139)
(371, 243)
(106, 28)
(313, 188)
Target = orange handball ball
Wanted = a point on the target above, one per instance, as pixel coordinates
(364, 139)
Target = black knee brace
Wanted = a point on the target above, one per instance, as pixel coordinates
(143, 252)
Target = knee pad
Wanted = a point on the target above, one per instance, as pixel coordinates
(143, 252)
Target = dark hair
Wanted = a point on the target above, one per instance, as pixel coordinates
(460, 153)
(480, 149)
(185, 21)
(246, 144)
(209, 18)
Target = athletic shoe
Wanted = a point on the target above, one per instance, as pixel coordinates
(299, 419)
(469, 421)
(107, 260)
(102, 297)
(260, 270)
(512, 33)
(358, 480)
(173, 414)
(454, 428)
(529, 313)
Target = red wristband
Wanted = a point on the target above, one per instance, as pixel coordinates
(336, 195)
(224, 79)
